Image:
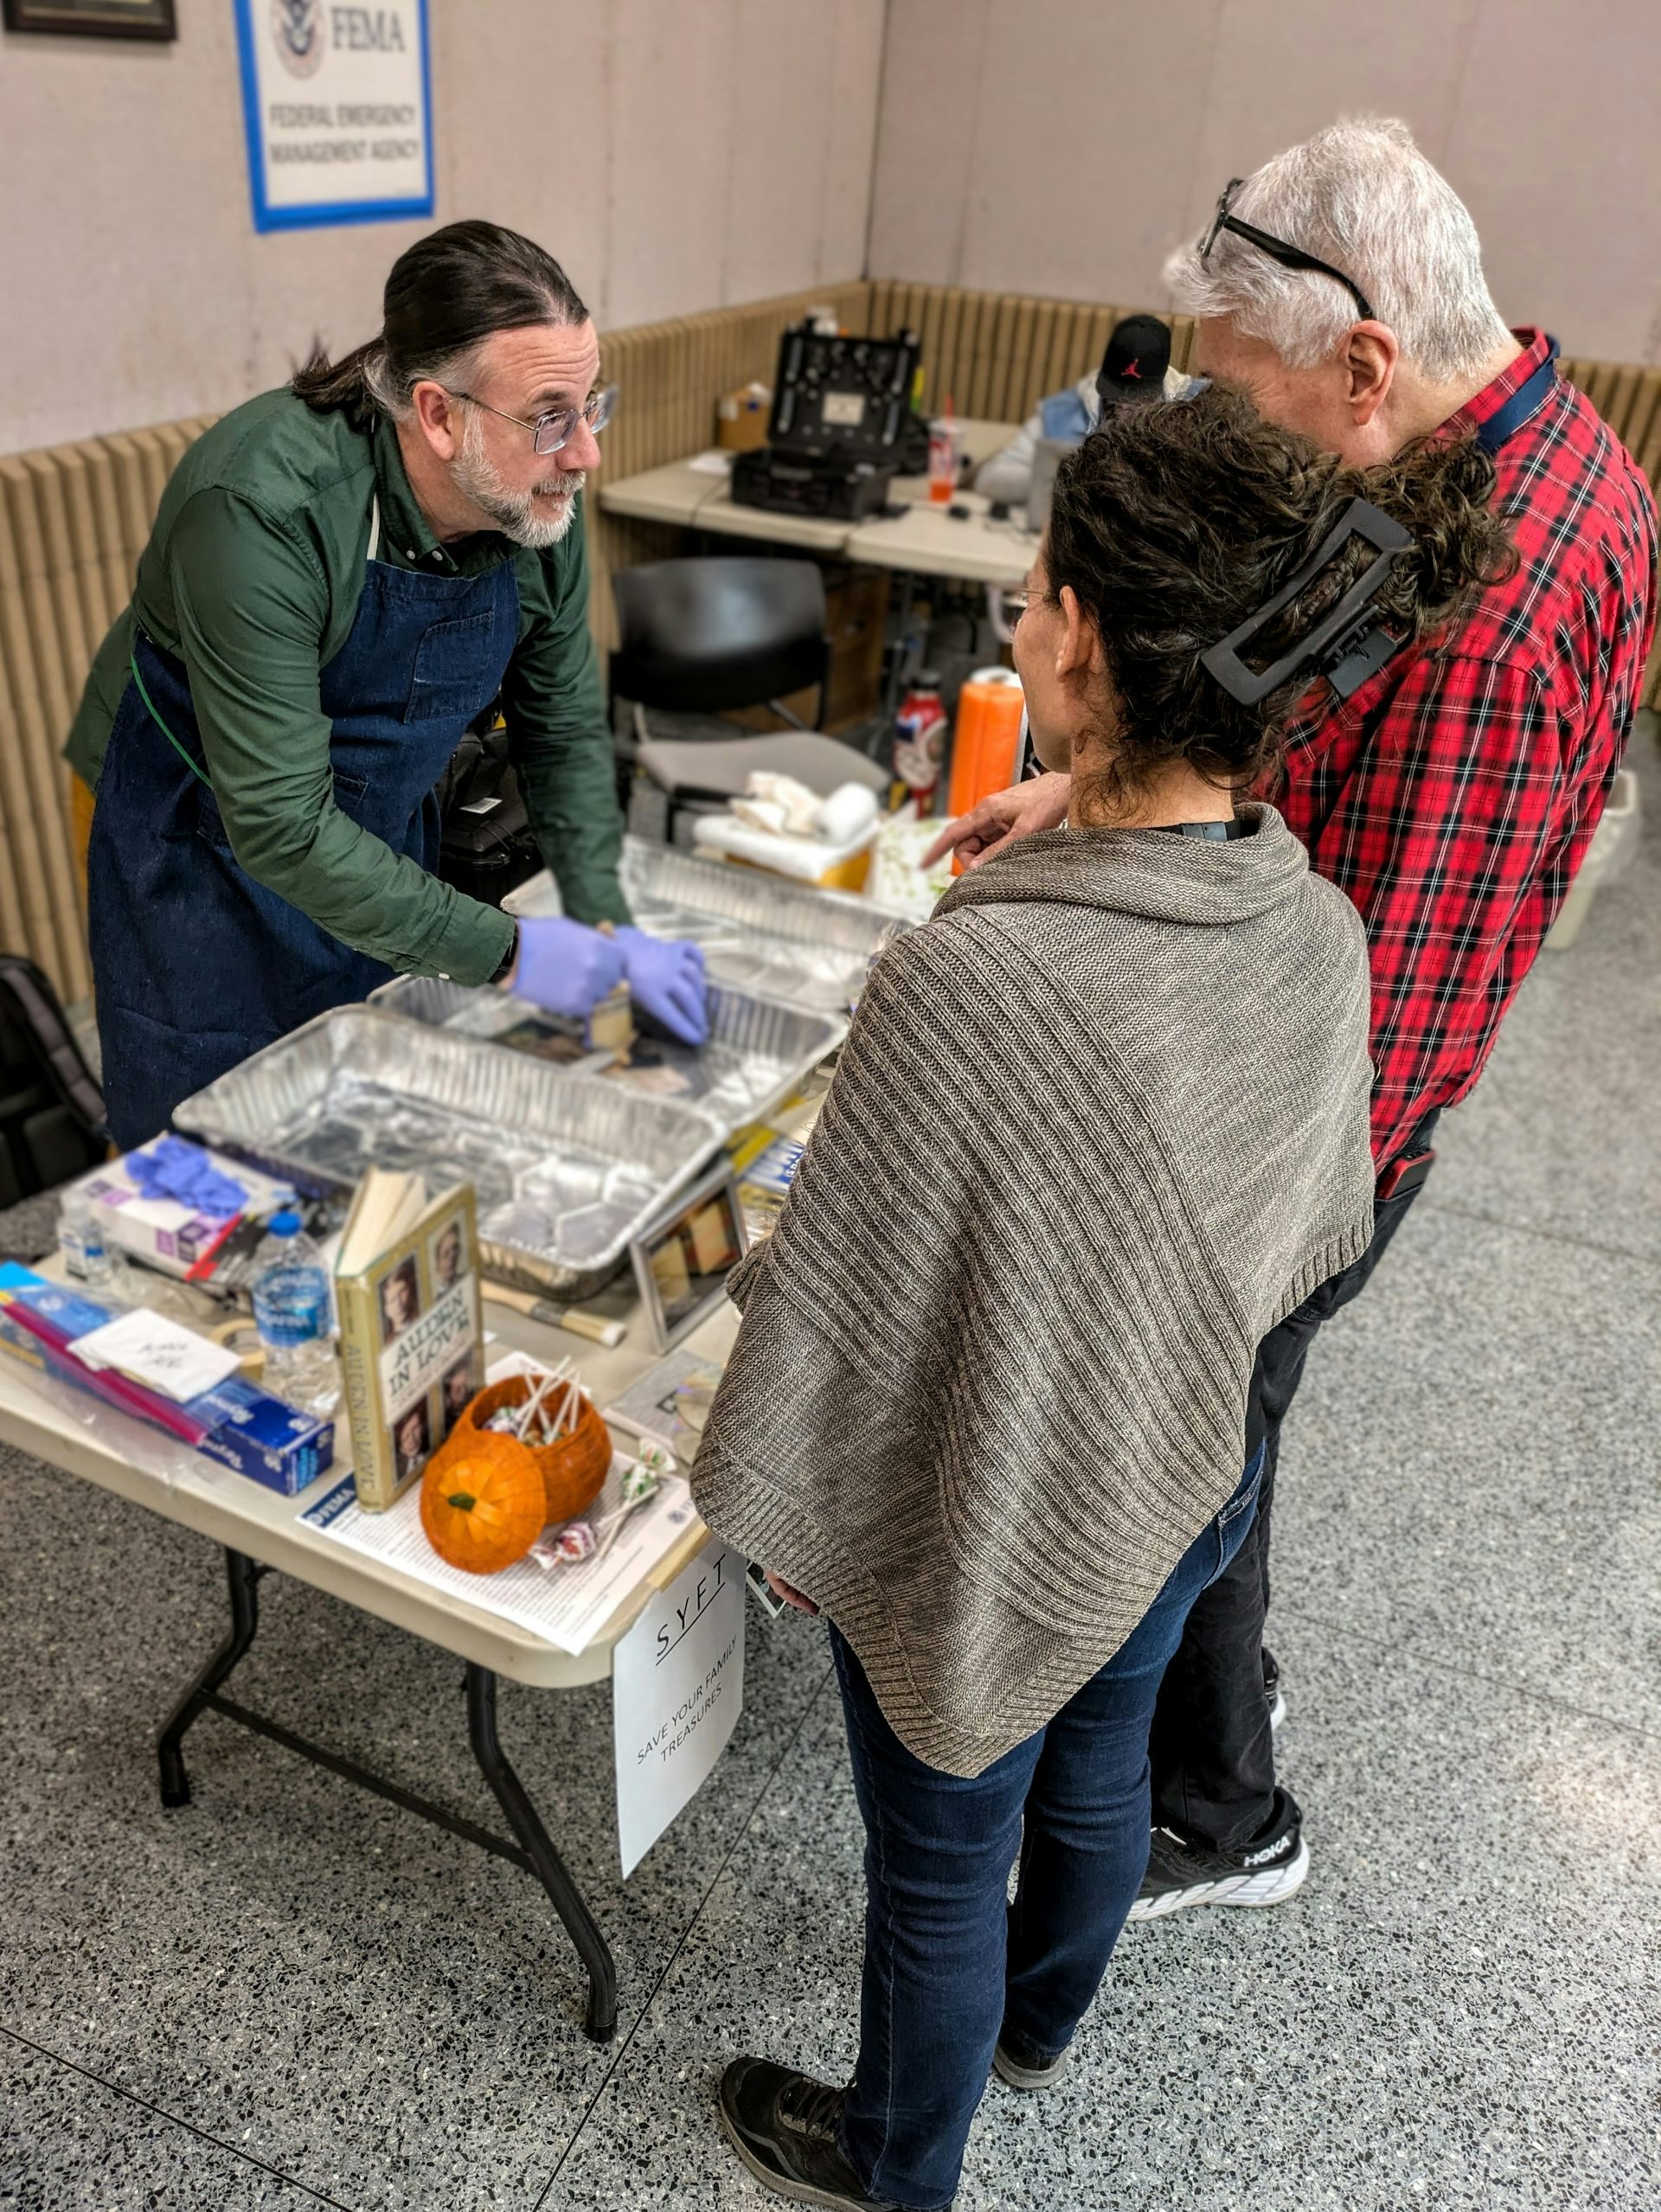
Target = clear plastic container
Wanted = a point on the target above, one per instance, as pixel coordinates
(291, 1312)
(943, 451)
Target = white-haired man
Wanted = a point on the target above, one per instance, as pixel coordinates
(1453, 795)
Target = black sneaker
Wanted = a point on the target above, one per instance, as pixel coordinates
(1023, 2073)
(1268, 1871)
(784, 2127)
(1272, 1687)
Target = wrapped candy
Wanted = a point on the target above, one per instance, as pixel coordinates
(639, 1481)
(565, 1546)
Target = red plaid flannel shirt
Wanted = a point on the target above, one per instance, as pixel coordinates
(1453, 796)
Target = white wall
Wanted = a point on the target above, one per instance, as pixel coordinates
(1063, 146)
(676, 155)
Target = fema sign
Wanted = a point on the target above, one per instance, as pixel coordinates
(337, 100)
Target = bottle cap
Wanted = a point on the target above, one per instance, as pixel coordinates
(927, 679)
(286, 1224)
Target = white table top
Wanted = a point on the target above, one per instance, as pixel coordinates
(122, 1454)
(930, 540)
(925, 539)
(679, 493)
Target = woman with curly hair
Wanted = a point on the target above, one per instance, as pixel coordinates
(1100, 1124)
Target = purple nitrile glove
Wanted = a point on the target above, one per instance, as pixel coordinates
(666, 978)
(565, 966)
(173, 1167)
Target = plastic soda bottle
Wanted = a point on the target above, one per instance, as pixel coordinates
(919, 743)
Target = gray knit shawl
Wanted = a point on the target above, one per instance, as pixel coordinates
(1100, 1124)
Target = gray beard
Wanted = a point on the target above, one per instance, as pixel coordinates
(513, 512)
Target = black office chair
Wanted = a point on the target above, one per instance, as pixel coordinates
(699, 638)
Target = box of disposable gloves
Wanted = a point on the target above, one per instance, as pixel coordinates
(178, 1207)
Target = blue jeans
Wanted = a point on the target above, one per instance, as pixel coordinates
(950, 1966)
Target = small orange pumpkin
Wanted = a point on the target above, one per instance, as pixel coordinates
(484, 1506)
(573, 1469)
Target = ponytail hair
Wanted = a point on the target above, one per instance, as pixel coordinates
(445, 295)
(1175, 522)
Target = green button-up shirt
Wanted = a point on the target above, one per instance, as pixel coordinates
(251, 578)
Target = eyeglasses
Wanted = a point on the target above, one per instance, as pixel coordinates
(1290, 257)
(549, 431)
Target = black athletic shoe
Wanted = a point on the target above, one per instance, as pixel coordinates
(784, 2127)
(1272, 1687)
(1021, 2073)
(1268, 1871)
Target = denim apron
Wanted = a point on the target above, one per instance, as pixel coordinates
(195, 965)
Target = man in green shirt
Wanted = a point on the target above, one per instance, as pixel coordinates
(342, 575)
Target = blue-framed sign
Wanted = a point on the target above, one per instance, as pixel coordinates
(338, 102)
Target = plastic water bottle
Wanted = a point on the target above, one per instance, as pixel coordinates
(290, 1311)
(80, 1239)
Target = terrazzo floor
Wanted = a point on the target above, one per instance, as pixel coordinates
(292, 1994)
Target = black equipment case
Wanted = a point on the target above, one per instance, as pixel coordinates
(842, 427)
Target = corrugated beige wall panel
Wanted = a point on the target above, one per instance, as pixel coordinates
(618, 443)
(1620, 404)
(931, 323)
(30, 780)
(1011, 337)
(854, 305)
(1040, 343)
(132, 497)
(896, 316)
(74, 472)
(911, 312)
(1602, 386)
(105, 492)
(957, 364)
(1644, 420)
(938, 367)
(154, 458)
(76, 637)
(30, 574)
(981, 366)
(13, 929)
(1058, 358)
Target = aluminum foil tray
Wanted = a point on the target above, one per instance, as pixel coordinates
(757, 1052)
(567, 1167)
(760, 932)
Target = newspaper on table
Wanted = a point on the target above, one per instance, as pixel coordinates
(569, 1605)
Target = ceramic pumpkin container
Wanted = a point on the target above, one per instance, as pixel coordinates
(574, 1470)
(483, 1506)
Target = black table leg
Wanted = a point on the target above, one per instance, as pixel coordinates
(567, 1900)
(243, 1574)
(531, 1850)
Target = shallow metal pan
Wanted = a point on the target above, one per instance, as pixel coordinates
(567, 1167)
(760, 933)
(758, 1051)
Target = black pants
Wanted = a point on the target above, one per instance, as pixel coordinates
(1210, 1749)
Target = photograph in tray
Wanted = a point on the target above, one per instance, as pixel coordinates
(411, 1332)
(683, 1261)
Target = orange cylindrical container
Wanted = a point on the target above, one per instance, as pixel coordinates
(988, 733)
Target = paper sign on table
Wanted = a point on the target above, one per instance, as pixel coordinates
(677, 1689)
(155, 1350)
